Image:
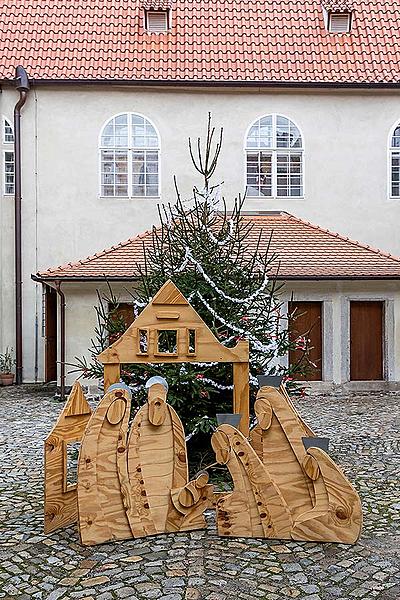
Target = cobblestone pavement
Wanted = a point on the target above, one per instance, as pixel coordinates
(364, 433)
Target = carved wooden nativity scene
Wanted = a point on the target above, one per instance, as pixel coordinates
(132, 474)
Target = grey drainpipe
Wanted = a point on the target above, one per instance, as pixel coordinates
(62, 335)
(22, 86)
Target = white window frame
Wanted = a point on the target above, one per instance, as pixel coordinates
(7, 151)
(390, 151)
(169, 12)
(5, 121)
(130, 151)
(7, 147)
(337, 13)
(274, 151)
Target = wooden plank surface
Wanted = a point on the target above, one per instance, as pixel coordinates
(283, 451)
(323, 504)
(160, 497)
(60, 500)
(156, 462)
(112, 374)
(241, 393)
(182, 319)
(102, 515)
(340, 518)
(255, 508)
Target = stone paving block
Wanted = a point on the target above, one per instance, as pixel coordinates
(171, 567)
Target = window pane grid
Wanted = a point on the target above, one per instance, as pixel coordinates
(396, 138)
(395, 167)
(276, 173)
(114, 172)
(145, 173)
(133, 171)
(8, 133)
(259, 174)
(289, 175)
(9, 173)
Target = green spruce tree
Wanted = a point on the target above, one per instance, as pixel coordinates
(217, 260)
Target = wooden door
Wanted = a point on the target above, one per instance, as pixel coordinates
(366, 341)
(308, 322)
(122, 315)
(50, 334)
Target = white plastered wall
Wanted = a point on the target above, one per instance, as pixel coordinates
(64, 219)
(336, 298)
(81, 321)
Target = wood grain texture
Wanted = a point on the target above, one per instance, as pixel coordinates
(255, 508)
(310, 432)
(194, 343)
(307, 321)
(159, 498)
(283, 451)
(241, 393)
(366, 340)
(102, 515)
(112, 374)
(337, 516)
(76, 404)
(182, 319)
(323, 504)
(60, 499)
(156, 463)
(188, 505)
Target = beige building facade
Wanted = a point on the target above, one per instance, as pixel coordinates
(345, 136)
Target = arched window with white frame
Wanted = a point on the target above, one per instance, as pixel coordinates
(129, 157)
(395, 162)
(274, 158)
(8, 158)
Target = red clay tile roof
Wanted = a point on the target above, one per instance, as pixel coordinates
(304, 250)
(232, 41)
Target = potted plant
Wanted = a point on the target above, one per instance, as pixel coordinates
(6, 364)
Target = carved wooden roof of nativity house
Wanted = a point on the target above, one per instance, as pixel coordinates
(170, 330)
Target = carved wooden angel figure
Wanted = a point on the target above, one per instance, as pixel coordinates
(322, 502)
(160, 498)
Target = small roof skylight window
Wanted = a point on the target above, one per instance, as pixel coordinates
(157, 21)
(339, 22)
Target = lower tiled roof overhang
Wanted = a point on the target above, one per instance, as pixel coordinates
(304, 252)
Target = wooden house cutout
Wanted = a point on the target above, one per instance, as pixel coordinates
(169, 330)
